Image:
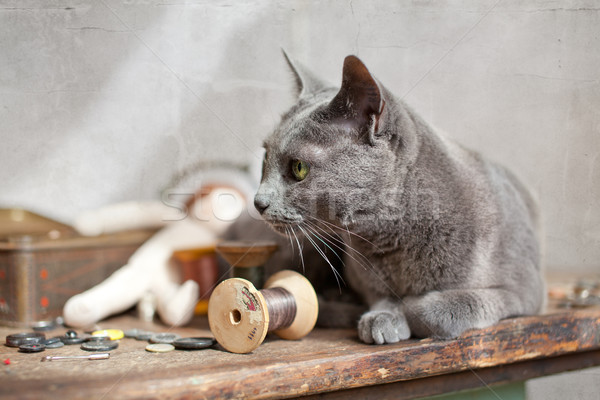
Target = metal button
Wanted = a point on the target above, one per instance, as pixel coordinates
(194, 343)
(17, 339)
(32, 348)
(144, 335)
(71, 337)
(100, 345)
(164, 337)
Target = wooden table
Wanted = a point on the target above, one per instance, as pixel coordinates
(327, 363)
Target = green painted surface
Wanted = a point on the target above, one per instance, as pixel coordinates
(513, 391)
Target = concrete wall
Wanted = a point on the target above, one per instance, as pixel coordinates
(106, 101)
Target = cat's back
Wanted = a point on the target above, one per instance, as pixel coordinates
(497, 200)
(506, 251)
(494, 186)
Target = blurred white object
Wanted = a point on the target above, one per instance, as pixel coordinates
(148, 271)
(121, 217)
(146, 307)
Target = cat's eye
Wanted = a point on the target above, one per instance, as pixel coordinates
(300, 169)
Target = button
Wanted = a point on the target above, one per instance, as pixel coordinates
(71, 333)
(70, 341)
(100, 345)
(32, 348)
(96, 338)
(17, 339)
(160, 347)
(131, 333)
(42, 326)
(164, 337)
(51, 340)
(113, 334)
(53, 344)
(71, 337)
(144, 335)
(194, 343)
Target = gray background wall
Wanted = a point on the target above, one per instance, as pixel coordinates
(106, 101)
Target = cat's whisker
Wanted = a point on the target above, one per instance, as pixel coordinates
(299, 249)
(305, 230)
(330, 230)
(363, 261)
(338, 236)
(316, 235)
(288, 228)
(348, 231)
(322, 253)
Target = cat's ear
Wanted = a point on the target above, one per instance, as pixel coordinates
(306, 82)
(359, 103)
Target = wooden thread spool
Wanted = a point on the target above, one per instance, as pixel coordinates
(240, 316)
(247, 258)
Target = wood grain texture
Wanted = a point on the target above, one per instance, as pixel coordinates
(485, 378)
(324, 361)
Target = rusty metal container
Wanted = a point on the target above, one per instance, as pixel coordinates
(43, 263)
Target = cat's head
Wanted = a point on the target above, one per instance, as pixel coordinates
(333, 157)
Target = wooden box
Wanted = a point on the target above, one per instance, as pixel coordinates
(43, 263)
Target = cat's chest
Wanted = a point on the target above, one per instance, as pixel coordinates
(373, 278)
(387, 275)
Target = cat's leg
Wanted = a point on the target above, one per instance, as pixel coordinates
(338, 314)
(384, 323)
(447, 314)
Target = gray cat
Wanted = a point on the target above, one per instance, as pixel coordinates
(435, 239)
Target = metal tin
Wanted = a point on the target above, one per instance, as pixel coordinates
(42, 269)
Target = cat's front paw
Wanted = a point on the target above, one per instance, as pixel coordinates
(382, 327)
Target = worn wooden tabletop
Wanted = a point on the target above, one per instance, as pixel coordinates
(325, 361)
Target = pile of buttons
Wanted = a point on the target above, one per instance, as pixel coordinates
(34, 342)
(106, 340)
(165, 341)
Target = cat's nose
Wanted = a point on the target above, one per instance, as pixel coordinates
(260, 203)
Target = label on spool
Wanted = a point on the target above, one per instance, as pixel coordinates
(248, 300)
(238, 316)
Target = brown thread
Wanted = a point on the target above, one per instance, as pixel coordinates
(281, 306)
